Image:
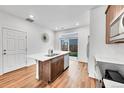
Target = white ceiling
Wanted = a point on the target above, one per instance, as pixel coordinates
(50, 16)
(69, 35)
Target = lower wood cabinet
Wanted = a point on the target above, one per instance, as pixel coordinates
(50, 70)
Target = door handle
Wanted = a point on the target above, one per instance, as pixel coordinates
(4, 50)
(4, 53)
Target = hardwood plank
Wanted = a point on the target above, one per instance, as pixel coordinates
(76, 76)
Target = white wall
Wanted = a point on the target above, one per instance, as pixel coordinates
(34, 43)
(82, 41)
(83, 33)
(97, 39)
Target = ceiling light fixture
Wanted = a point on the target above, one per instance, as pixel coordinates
(56, 28)
(30, 19)
(31, 16)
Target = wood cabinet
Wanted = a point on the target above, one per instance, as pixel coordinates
(51, 69)
(112, 13)
(44, 70)
(57, 67)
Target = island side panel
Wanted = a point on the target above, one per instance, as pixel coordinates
(37, 69)
(44, 71)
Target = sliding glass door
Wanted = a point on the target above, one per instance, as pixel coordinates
(64, 45)
(70, 45)
(73, 47)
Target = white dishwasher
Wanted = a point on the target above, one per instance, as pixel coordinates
(66, 61)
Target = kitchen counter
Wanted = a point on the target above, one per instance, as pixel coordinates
(48, 68)
(112, 84)
(102, 63)
(109, 60)
(43, 56)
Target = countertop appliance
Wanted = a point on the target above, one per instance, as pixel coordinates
(117, 26)
(50, 52)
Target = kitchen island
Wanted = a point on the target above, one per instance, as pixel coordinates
(48, 68)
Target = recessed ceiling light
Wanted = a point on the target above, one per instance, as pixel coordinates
(56, 28)
(77, 24)
(31, 16)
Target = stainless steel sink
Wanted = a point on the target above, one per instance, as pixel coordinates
(54, 54)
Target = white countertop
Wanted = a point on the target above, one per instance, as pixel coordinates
(112, 84)
(109, 60)
(43, 57)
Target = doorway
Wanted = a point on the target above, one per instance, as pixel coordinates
(69, 42)
(14, 48)
(64, 45)
(73, 47)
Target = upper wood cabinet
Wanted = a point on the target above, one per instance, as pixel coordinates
(112, 13)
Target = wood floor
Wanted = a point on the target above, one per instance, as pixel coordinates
(76, 76)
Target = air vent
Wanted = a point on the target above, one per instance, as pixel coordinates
(29, 19)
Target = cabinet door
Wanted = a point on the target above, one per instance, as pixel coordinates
(108, 27)
(45, 70)
(61, 64)
(111, 13)
(57, 67)
(53, 69)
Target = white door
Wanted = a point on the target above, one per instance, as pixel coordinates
(14, 50)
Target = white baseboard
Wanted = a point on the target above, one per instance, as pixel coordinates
(92, 75)
(1, 73)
